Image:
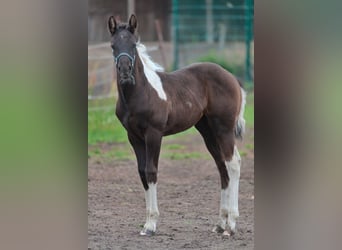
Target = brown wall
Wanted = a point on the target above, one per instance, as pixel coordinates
(146, 10)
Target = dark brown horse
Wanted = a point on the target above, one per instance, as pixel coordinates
(153, 104)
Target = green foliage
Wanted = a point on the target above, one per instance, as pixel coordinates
(174, 146)
(236, 69)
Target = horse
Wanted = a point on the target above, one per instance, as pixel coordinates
(153, 103)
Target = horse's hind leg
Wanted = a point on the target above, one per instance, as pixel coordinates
(214, 148)
(221, 144)
(230, 195)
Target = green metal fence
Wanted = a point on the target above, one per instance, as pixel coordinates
(203, 29)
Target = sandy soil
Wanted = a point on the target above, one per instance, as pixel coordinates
(188, 197)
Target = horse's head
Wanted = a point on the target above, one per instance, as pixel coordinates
(123, 43)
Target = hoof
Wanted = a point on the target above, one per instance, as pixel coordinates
(218, 229)
(233, 231)
(147, 232)
(226, 233)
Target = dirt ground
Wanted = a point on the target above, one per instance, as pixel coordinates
(188, 199)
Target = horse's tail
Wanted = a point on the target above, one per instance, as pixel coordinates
(241, 123)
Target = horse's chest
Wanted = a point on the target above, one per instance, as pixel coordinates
(133, 123)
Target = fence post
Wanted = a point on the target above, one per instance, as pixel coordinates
(130, 7)
(160, 41)
(175, 32)
(248, 38)
(222, 36)
(209, 21)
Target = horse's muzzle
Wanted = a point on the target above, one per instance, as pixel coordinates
(126, 79)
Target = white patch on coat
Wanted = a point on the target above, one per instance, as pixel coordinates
(152, 212)
(150, 69)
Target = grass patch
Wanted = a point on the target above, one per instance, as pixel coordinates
(190, 131)
(104, 126)
(182, 156)
(94, 152)
(249, 146)
(123, 153)
(120, 155)
(249, 110)
(243, 153)
(174, 146)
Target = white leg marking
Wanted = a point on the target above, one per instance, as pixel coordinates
(233, 168)
(148, 205)
(229, 206)
(223, 208)
(152, 212)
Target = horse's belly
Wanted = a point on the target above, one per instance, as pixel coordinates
(181, 121)
(177, 129)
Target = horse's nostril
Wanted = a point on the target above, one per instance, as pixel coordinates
(130, 68)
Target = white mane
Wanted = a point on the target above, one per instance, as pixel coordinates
(147, 61)
(150, 69)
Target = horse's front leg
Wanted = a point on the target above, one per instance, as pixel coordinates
(152, 141)
(140, 153)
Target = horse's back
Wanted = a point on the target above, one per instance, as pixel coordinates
(222, 88)
(201, 89)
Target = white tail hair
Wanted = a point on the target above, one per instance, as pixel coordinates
(241, 123)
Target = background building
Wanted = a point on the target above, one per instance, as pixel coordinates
(147, 12)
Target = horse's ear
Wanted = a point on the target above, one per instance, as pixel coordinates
(112, 25)
(133, 23)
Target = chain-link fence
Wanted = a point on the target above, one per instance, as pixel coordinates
(214, 30)
(202, 30)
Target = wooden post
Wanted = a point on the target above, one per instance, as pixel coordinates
(209, 21)
(248, 39)
(130, 7)
(222, 36)
(175, 33)
(160, 40)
